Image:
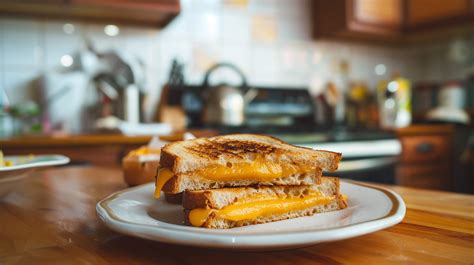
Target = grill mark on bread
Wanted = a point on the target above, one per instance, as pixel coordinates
(214, 149)
(182, 161)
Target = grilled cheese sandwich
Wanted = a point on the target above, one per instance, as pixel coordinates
(226, 208)
(258, 170)
(235, 180)
(251, 211)
(239, 160)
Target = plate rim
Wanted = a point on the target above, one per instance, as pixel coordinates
(393, 217)
(60, 160)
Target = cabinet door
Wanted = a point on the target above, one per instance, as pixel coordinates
(154, 13)
(375, 16)
(425, 176)
(426, 12)
(396, 21)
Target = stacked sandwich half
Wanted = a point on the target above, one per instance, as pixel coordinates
(243, 179)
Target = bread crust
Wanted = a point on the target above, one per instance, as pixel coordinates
(203, 152)
(220, 149)
(174, 198)
(167, 159)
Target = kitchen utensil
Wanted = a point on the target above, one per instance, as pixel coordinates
(169, 109)
(225, 104)
(394, 98)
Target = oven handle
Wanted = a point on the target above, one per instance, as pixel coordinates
(366, 164)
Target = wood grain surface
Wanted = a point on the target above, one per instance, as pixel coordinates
(51, 219)
(81, 140)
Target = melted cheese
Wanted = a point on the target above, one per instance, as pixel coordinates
(260, 169)
(198, 217)
(251, 210)
(164, 174)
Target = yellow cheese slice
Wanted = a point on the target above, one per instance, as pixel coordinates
(259, 169)
(254, 209)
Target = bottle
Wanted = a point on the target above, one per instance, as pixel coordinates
(394, 97)
(341, 84)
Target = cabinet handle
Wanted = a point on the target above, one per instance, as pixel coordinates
(424, 148)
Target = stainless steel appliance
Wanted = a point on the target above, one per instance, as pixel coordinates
(225, 104)
(272, 110)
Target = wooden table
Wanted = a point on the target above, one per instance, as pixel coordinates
(51, 219)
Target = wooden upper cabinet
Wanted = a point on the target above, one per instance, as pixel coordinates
(374, 16)
(378, 12)
(426, 12)
(153, 13)
(388, 19)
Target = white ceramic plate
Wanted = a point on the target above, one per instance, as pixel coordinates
(135, 212)
(26, 162)
(12, 176)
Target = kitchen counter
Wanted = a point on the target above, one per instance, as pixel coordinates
(72, 140)
(51, 219)
(109, 149)
(83, 140)
(93, 149)
(97, 149)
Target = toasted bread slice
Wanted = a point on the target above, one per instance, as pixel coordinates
(218, 200)
(175, 198)
(191, 155)
(186, 158)
(182, 182)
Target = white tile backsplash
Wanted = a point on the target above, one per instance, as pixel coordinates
(2, 41)
(264, 59)
(205, 27)
(204, 55)
(19, 85)
(203, 6)
(267, 7)
(169, 50)
(102, 42)
(22, 42)
(179, 29)
(270, 40)
(296, 9)
(235, 28)
(290, 29)
(237, 54)
(142, 44)
(294, 58)
(264, 29)
(57, 43)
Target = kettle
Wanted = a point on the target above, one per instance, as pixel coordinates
(225, 104)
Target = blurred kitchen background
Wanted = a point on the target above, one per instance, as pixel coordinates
(388, 83)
